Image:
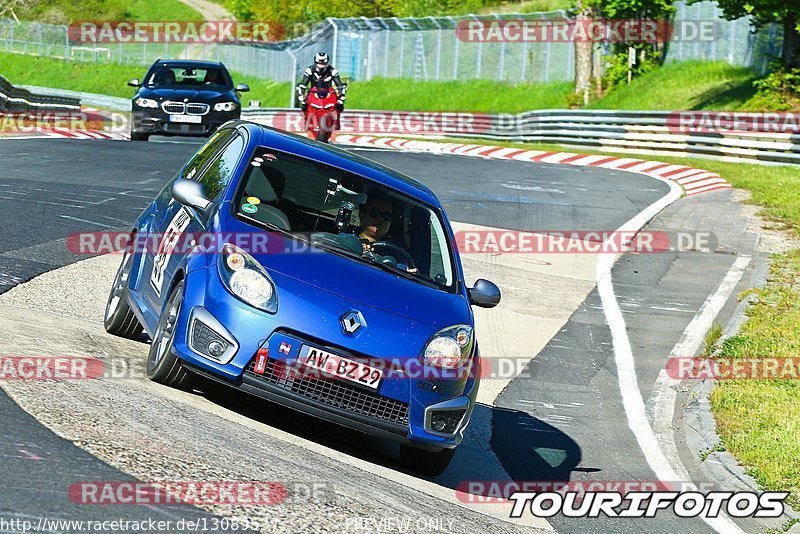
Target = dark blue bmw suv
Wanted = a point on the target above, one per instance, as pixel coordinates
(183, 97)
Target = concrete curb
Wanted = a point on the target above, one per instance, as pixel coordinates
(693, 181)
(699, 425)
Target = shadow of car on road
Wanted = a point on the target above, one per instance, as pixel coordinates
(526, 448)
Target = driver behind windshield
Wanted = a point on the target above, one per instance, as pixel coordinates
(376, 215)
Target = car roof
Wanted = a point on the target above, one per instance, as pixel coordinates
(188, 63)
(343, 159)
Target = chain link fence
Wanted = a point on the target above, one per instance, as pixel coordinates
(411, 48)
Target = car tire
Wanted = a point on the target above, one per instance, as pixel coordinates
(118, 317)
(162, 365)
(136, 136)
(429, 463)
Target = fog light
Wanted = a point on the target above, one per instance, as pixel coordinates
(215, 349)
(438, 422)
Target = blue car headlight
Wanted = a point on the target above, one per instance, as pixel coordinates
(450, 348)
(247, 279)
(225, 106)
(146, 102)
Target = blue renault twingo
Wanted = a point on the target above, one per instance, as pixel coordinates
(312, 277)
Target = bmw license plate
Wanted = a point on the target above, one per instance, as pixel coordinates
(195, 119)
(339, 368)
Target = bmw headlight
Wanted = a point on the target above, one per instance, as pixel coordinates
(449, 348)
(225, 106)
(247, 279)
(146, 102)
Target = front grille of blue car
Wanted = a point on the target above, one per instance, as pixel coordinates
(333, 392)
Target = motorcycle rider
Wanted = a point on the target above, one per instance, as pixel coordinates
(323, 76)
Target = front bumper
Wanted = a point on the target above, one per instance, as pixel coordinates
(156, 122)
(400, 409)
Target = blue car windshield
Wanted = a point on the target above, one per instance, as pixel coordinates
(346, 214)
(178, 76)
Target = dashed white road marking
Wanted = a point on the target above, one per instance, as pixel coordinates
(86, 221)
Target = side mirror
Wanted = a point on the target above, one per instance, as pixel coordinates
(190, 193)
(242, 87)
(134, 82)
(484, 294)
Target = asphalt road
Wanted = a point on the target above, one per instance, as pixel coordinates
(565, 422)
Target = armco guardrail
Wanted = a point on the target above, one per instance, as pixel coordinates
(16, 99)
(635, 131)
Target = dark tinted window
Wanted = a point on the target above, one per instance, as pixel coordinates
(219, 172)
(178, 76)
(206, 152)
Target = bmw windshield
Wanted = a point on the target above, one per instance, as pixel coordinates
(347, 215)
(188, 77)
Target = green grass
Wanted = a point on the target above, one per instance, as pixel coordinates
(685, 86)
(66, 11)
(757, 420)
(691, 87)
(161, 10)
(474, 95)
(108, 78)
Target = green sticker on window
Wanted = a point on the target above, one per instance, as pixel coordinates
(249, 208)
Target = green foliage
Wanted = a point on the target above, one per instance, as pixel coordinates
(779, 90)
(309, 11)
(763, 11)
(616, 71)
(66, 11)
(632, 9)
(241, 9)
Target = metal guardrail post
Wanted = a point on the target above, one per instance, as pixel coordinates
(292, 101)
(479, 59)
(66, 43)
(335, 47)
(455, 53)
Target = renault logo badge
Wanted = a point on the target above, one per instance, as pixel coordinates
(352, 321)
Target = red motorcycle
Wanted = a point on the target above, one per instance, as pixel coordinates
(321, 116)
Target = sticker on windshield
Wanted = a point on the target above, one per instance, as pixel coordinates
(255, 164)
(254, 200)
(270, 157)
(249, 208)
(258, 159)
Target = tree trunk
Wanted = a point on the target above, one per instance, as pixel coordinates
(790, 53)
(583, 56)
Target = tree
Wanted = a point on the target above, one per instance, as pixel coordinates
(583, 53)
(786, 12)
(11, 7)
(635, 10)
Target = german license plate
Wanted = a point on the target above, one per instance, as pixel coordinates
(340, 367)
(195, 119)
